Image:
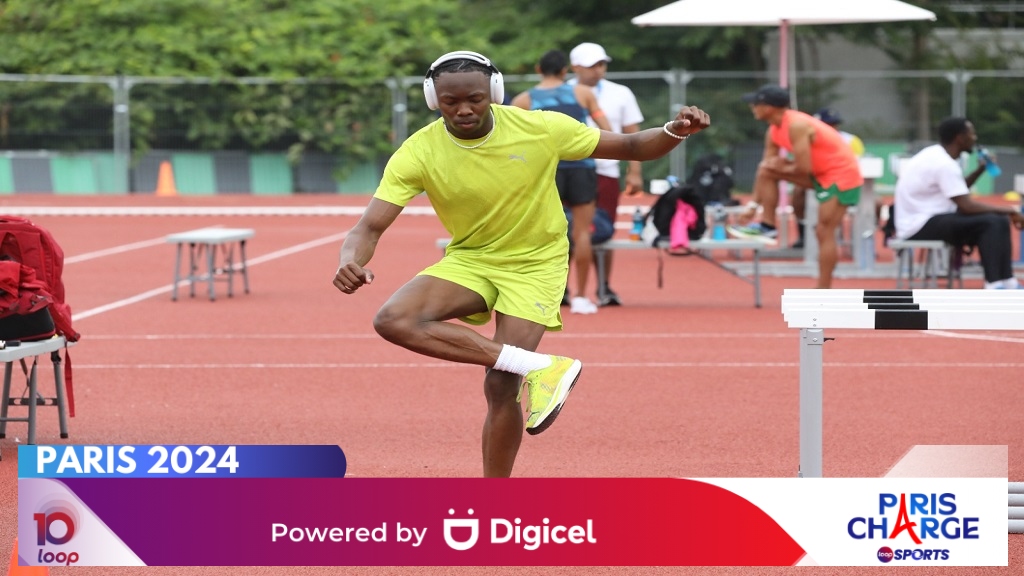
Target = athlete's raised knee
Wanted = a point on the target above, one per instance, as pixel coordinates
(392, 324)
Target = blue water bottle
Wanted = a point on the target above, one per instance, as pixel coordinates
(638, 225)
(717, 220)
(991, 167)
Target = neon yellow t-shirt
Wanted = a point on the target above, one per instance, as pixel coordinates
(856, 144)
(499, 200)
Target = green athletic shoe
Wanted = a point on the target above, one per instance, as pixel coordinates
(548, 388)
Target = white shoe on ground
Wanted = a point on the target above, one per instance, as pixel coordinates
(582, 305)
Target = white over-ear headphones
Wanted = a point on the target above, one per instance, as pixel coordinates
(497, 83)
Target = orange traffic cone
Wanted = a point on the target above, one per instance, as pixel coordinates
(16, 570)
(165, 180)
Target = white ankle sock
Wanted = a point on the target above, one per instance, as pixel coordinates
(520, 361)
(993, 285)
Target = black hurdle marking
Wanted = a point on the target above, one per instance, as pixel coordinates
(889, 293)
(901, 319)
(888, 299)
(893, 306)
(903, 297)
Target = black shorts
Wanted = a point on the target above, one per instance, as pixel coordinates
(576, 186)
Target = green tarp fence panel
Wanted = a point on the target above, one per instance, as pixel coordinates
(73, 175)
(194, 174)
(107, 180)
(362, 180)
(271, 175)
(6, 176)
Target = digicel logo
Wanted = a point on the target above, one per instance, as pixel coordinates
(531, 536)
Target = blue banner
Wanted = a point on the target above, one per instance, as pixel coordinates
(181, 461)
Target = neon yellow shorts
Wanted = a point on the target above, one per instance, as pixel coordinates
(846, 197)
(529, 290)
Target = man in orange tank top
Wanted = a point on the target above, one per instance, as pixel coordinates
(821, 160)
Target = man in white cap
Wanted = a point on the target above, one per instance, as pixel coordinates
(589, 64)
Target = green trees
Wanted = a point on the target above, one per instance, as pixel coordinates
(347, 48)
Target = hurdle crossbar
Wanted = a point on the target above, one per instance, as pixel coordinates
(813, 311)
(904, 309)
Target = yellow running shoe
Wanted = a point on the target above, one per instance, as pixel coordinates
(549, 388)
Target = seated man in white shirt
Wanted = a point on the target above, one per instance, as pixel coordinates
(933, 202)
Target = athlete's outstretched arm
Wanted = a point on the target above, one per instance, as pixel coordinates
(653, 142)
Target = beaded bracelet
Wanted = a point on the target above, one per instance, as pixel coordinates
(670, 133)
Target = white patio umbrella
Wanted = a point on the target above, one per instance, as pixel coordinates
(781, 13)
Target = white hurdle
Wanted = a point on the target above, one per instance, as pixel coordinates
(813, 311)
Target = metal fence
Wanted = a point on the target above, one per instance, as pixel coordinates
(93, 134)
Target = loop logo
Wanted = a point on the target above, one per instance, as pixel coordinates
(885, 554)
(474, 531)
(56, 526)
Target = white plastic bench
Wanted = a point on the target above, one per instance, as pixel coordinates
(701, 248)
(936, 257)
(208, 240)
(32, 398)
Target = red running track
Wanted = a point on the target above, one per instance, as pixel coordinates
(685, 381)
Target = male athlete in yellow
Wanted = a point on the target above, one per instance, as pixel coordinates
(500, 205)
(489, 171)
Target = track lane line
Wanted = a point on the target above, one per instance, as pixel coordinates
(115, 250)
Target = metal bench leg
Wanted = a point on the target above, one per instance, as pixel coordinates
(58, 382)
(602, 273)
(906, 266)
(911, 273)
(177, 273)
(245, 266)
(211, 270)
(32, 404)
(956, 261)
(6, 399)
(192, 268)
(229, 267)
(932, 269)
(757, 278)
(901, 266)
